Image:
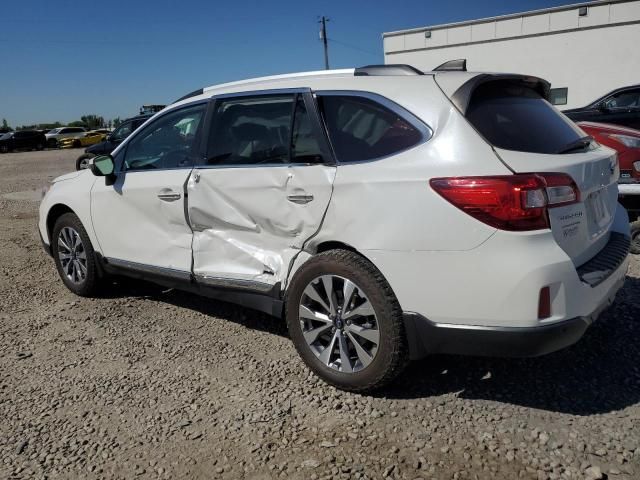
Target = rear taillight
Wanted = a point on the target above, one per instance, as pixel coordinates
(509, 202)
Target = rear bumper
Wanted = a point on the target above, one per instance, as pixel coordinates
(426, 337)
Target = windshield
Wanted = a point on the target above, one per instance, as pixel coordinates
(122, 131)
(515, 117)
(6, 136)
(55, 130)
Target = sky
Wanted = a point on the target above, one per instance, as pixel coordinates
(62, 59)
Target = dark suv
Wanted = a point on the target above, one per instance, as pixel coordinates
(22, 140)
(112, 141)
(620, 107)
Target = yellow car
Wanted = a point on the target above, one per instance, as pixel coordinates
(90, 138)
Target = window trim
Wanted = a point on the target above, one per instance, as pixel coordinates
(423, 128)
(312, 111)
(124, 145)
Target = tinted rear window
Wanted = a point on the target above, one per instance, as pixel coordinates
(362, 129)
(516, 117)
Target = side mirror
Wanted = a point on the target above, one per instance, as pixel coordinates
(102, 166)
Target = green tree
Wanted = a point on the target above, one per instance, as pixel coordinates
(5, 125)
(116, 121)
(92, 121)
(77, 123)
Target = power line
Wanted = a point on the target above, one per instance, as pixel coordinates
(354, 47)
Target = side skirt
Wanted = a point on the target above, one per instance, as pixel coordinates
(254, 295)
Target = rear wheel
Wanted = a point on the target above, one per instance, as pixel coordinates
(74, 255)
(345, 322)
(635, 237)
(39, 146)
(83, 161)
(52, 143)
(4, 148)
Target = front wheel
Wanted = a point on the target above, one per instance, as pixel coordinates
(635, 237)
(345, 322)
(82, 162)
(74, 255)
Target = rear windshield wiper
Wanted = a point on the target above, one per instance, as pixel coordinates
(579, 144)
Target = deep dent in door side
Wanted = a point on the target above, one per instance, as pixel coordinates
(243, 237)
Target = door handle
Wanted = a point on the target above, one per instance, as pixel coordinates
(300, 199)
(169, 196)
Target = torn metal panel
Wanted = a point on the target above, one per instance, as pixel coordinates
(250, 222)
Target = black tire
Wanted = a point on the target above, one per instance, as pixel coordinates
(52, 143)
(635, 237)
(392, 351)
(82, 159)
(89, 285)
(76, 144)
(39, 146)
(4, 149)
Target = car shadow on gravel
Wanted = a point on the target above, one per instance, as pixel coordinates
(599, 374)
(124, 287)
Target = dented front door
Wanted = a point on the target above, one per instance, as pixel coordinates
(249, 223)
(262, 189)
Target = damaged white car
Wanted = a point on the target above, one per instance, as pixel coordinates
(385, 212)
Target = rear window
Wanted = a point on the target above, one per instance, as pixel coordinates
(362, 129)
(515, 117)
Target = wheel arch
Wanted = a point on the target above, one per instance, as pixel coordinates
(55, 212)
(314, 249)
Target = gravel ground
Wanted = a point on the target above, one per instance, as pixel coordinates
(161, 384)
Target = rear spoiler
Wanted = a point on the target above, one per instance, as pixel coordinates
(462, 96)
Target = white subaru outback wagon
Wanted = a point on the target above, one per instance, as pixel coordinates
(385, 212)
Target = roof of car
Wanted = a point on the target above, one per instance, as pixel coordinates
(292, 80)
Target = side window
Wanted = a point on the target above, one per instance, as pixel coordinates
(265, 129)
(167, 142)
(64, 130)
(304, 144)
(626, 99)
(251, 130)
(362, 129)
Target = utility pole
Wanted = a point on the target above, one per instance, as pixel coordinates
(323, 37)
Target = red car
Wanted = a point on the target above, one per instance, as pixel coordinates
(626, 141)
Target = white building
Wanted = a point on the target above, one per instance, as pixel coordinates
(585, 50)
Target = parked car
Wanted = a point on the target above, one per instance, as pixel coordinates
(111, 141)
(382, 223)
(619, 107)
(57, 134)
(22, 140)
(89, 138)
(626, 141)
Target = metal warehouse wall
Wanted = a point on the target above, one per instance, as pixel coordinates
(590, 55)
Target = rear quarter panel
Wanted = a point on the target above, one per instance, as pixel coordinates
(388, 204)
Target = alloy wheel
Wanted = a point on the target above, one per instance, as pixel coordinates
(72, 255)
(339, 323)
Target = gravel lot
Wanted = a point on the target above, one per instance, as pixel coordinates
(161, 384)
